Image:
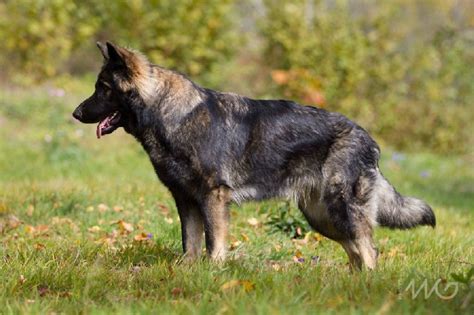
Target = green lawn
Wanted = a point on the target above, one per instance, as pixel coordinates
(85, 227)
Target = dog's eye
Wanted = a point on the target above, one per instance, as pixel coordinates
(106, 86)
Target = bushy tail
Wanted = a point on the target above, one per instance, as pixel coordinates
(397, 211)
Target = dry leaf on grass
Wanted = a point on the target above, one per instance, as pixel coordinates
(253, 222)
(108, 239)
(164, 209)
(65, 221)
(298, 258)
(39, 246)
(234, 244)
(41, 229)
(30, 210)
(42, 290)
(245, 238)
(143, 237)
(175, 292)
(13, 222)
(22, 279)
(245, 284)
(102, 207)
(124, 227)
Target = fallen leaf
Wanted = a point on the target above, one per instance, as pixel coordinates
(43, 290)
(30, 210)
(309, 237)
(65, 221)
(13, 222)
(230, 284)
(37, 230)
(118, 208)
(3, 207)
(169, 220)
(65, 294)
(298, 257)
(22, 279)
(395, 251)
(42, 228)
(245, 237)
(94, 229)
(143, 237)
(135, 269)
(253, 222)
(176, 292)
(245, 284)
(164, 210)
(235, 244)
(299, 232)
(276, 267)
(39, 246)
(102, 207)
(108, 239)
(124, 227)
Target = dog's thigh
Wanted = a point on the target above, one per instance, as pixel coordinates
(192, 226)
(316, 213)
(335, 216)
(350, 219)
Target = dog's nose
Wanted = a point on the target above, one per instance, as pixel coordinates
(77, 114)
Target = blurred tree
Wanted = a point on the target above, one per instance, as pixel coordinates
(38, 36)
(192, 36)
(401, 68)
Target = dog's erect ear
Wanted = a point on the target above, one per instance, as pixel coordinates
(116, 55)
(103, 49)
(112, 54)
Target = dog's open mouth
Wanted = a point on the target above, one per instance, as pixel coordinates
(108, 124)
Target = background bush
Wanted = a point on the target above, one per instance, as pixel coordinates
(402, 69)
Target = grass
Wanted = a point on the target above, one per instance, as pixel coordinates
(85, 227)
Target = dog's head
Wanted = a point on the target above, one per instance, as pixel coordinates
(126, 77)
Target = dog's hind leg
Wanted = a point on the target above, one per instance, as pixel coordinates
(192, 226)
(361, 252)
(350, 219)
(342, 223)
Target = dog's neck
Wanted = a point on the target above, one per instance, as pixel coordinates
(161, 114)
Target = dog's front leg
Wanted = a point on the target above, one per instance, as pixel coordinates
(192, 226)
(216, 222)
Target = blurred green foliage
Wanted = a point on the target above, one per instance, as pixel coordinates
(402, 69)
(41, 36)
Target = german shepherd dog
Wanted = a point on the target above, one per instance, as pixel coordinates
(212, 148)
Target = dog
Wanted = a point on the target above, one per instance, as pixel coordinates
(211, 149)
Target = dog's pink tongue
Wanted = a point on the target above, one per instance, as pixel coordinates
(101, 126)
